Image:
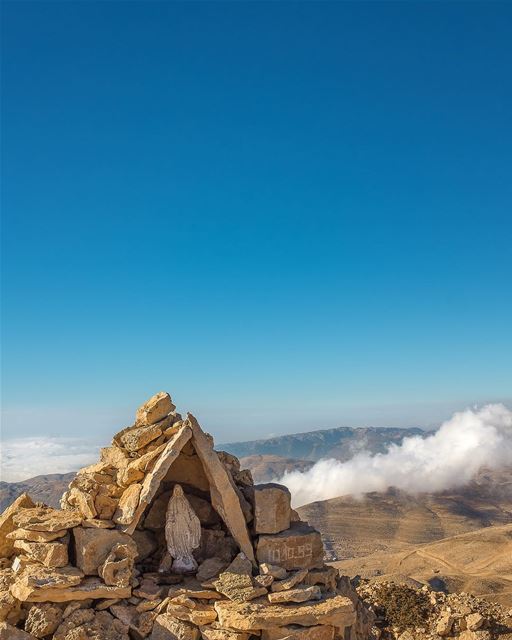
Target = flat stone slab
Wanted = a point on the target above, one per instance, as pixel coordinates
(299, 547)
(272, 508)
(90, 588)
(337, 611)
(46, 519)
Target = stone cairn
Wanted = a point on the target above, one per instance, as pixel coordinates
(100, 568)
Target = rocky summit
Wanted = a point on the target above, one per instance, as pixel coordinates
(167, 539)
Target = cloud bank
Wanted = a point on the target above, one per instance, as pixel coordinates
(23, 458)
(448, 458)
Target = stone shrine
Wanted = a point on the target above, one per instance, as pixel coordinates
(165, 538)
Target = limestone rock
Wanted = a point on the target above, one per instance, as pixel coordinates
(325, 577)
(277, 572)
(89, 588)
(264, 581)
(166, 627)
(135, 438)
(271, 508)
(87, 624)
(290, 581)
(236, 581)
(7, 524)
(51, 554)
(36, 580)
(337, 611)
(83, 501)
(92, 546)
(292, 632)
(128, 504)
(222, 489)
(155, 409)
(115, 456)
(214, 632)
(140, 623)
(43, 619)
(199, 614)
(10, 607)
(445, 624)
(46, 519)
(8, 632)
(301, 594)
(117, 569)
(210, 568)
(298, 547)
(474, 621)
(36, 536)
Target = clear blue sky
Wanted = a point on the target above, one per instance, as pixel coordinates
(289, 215)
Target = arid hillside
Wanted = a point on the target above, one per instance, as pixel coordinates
(455, 540)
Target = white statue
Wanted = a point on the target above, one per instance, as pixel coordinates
(182, 532)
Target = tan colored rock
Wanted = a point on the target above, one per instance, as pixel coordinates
(166, 627)
(279, 573)
(138, 437)
(222, 488)
(92, 546)
(264, 581)
(154, 478)
(300, 594)
(8, 632)
(294, 578)
(117, 570)
(46, 519)
(89, 588)
(188, 469)
(105, 507)
(324, 632)
(10, 607)
(271, 508)
(198, 614)
(474, 621)
(51, 554)
(43, 619)
(35, 578)
(83, 501)
(36, 536)
(298, 547)
(445, 624)
(155, 409)
(115, 456)
(140, 623)
(214, 632)
(128, 504)
(7, 525)
(337, 611)
(87, 624)
(236, 581)
(325, 577)
(129, 475)
(210, 569)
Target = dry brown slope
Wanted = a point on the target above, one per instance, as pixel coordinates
(479, 562)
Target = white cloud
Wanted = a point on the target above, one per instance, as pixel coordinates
(448, 458)
(23, 458)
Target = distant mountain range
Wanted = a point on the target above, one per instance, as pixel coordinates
(340, 443)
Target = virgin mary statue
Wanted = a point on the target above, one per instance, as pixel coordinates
(182, 532)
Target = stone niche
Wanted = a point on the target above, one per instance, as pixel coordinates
(216, 542)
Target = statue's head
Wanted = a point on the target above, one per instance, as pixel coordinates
(178, 492)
